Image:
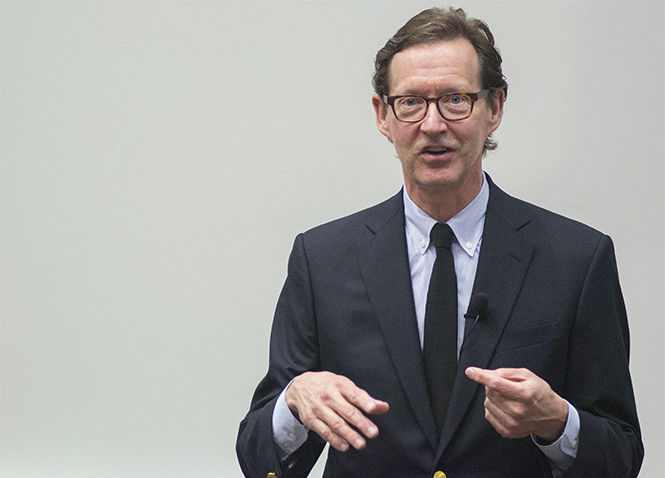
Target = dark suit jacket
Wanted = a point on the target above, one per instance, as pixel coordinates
(555, 307)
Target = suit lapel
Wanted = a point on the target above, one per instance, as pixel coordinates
(385, 269)
(503, 262)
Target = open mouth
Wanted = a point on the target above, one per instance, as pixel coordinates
(436, 151)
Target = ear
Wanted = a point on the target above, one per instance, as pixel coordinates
(380, 110)
(496, 110)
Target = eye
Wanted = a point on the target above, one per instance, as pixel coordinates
(409, 102)
(457, 99)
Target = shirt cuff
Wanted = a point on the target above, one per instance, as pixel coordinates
(563, 451)
(287, 432)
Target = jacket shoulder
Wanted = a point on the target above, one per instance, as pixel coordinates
(356, 227)
(541, 221)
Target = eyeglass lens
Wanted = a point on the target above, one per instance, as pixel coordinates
(414, 108)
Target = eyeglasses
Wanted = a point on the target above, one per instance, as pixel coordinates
(452, 107)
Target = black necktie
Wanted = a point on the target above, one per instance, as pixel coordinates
(440, 344)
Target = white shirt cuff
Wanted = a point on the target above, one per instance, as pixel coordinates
(563, 451)
(287, 432)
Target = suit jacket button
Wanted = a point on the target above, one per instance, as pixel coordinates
(439, 474)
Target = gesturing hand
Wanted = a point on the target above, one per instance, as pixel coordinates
(333, 406)
(519, 403)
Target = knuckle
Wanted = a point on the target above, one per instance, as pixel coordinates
(352, 396)
(350, 413)
(306, 377)
(309, 417)
(529, 394)
(511, 423)
(493, 382)
(305, 417)
(340, 380)
(327, 435)
(519, 412)
(338, 426)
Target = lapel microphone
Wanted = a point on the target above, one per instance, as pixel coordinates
(477, 307)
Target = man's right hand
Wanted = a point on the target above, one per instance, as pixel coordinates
(333, 406)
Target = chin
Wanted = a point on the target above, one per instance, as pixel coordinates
(440, 181)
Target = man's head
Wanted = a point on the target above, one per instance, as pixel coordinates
(436, 25)
(438, 101)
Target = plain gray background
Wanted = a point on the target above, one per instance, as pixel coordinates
(158, 159)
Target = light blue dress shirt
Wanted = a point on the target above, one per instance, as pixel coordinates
(468, 227)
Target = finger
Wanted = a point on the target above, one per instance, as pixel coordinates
(333, 406)
(339, 417)
(490, 378)
(337, 428)
(499, 410)
(478, 375)
(325, 432)
(482, 376)
(494, 417)
(357, 419)
(507, 425)
(514, 374)
(499, 381)
(360, 398)
(357, 399)
(324, 420)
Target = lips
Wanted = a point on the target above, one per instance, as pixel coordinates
(435, 151)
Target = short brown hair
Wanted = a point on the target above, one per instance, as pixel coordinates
(438, 24)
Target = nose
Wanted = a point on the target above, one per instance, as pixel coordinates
(433, 122)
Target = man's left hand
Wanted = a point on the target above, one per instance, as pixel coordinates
(519, 403)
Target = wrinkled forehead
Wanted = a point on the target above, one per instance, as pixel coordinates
(441, 65)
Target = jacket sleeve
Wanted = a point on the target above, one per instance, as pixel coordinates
(598, 378)
(293, 350)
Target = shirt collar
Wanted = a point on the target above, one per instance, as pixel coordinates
(467, 224)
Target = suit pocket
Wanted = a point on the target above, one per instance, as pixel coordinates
(514, 339)
(539, 349)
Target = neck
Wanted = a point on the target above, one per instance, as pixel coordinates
(442, 203)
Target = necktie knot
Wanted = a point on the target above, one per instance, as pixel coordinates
(441, 235)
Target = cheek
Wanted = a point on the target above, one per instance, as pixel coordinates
(473, 135)
(404, 137)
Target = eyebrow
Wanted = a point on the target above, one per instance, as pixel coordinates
(447, 91)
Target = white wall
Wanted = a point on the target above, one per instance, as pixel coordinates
(159, 157)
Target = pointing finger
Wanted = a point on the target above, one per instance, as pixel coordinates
(478, 375)
(500, 381)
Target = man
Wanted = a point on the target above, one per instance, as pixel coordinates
(375, 347)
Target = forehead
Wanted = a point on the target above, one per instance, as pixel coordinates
(444, 66)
